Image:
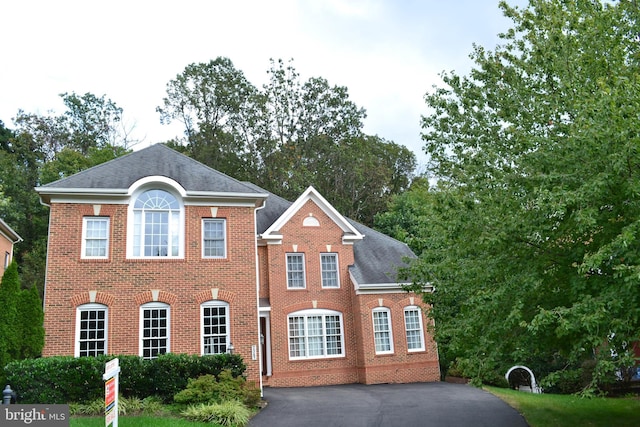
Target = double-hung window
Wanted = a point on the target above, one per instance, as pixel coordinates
(315, 334)
(329, 270)
(91, 330)
(413, 328)
(157, 225)
(215, 327)
(382, 333)
(295, 271)
(214, 238)
(154, 329)
(95, 237)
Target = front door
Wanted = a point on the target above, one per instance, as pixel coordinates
(265, 344)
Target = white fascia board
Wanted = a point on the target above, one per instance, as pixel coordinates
(206, 198)
(9, 233)
(312, 194)
(82, 195)
(122, 196)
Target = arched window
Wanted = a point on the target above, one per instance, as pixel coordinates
(215, 337)
(315, 333)
(155, 330)
(91, 330)
(158, 224)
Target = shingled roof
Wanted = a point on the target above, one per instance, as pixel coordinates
(156, 160)
(377, 256)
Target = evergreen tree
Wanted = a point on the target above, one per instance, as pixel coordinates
(9, 295)
(30, 324)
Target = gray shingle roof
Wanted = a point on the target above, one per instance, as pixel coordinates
(377, 256)
(157, 159)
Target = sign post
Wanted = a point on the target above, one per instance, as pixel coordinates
(111, 376)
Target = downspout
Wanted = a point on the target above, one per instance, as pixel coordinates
(257, 262)
(46, 263)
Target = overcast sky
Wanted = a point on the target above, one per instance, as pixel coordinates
(388, 53)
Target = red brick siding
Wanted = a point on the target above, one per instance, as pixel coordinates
(181, 283)
(359, 363)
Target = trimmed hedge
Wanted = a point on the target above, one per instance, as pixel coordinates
(66, 379)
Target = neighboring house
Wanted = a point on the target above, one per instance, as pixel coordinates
(8, 238)
(154, 252)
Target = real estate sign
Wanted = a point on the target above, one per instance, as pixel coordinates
(111, 376)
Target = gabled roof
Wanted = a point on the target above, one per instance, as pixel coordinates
(350, 234)
(377, 256)
(118, 175)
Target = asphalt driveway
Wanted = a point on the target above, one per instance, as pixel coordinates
(403, 405)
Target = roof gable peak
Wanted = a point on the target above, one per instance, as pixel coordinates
(350, 234)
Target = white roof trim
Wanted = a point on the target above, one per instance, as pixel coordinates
(382, 288)
(9, 232)
(350, 233)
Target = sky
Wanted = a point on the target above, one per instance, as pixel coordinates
(388, 53)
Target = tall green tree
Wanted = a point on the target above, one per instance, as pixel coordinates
(537, 150)
(9, 332)
(211, 100)
(287, 136)
(30, 324)
(44, 148)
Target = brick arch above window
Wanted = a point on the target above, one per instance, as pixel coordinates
(93, 297)
(383, 302)
(155, 296)
(215, 294)
(310, 305)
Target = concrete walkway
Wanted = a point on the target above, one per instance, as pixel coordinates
(402, 405)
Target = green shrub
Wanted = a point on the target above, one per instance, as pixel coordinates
(231, 413)
(226, 387)
(66, 379)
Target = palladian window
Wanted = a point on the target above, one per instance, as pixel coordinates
(157, 225)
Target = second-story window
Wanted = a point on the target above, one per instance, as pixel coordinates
(95, 237)
(157, 225)
(214, 238)
(329, 270)
(295, 271)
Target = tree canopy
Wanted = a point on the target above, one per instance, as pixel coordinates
(45, 148)
(286, 136)
(532, 236)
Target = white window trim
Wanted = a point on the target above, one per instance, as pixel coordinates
(304, 270)
(214, 303)
(91, 307)
(224, 237)
(152, 305)
(422, 345)
(335, 255)
(83, 254)
(131, 224)
(390, 323)
(316, 312)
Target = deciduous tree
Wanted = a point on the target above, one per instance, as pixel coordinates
(537, 150)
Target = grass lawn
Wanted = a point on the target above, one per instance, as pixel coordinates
(554, 410)
(137, 421)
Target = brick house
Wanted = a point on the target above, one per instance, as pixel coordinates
(154, 252)
(8, 238)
